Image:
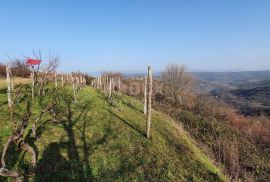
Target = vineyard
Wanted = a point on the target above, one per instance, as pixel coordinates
(75, 127)
(143, 91)
(59, 129)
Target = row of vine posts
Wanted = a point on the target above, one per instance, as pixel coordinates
(107, 85)
(45, 81)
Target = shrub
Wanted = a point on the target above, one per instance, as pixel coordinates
(2, 69)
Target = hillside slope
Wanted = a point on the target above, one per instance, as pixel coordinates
(98, 142)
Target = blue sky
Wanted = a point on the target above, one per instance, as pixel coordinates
(128, 35)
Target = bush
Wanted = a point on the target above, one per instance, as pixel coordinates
(239, 144)
(18, 68)
(2, 69)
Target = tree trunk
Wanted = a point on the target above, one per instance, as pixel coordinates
(30, 150)
(3, 163)
(6, 173)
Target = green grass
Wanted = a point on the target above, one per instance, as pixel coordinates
(98, 142)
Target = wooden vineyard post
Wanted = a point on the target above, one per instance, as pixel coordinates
(70, 78)
(9, 89)
(149, 95)
(80, 81)
(77, 85)
(113, 86)
(11, 81)
(119, 83)
(145, 94)
(74, 88)
(55, 79)
(107, 85)
(65, 79)
(33, 82)
(98, 83)
(104, 83)
(110, 88)
(62, 80)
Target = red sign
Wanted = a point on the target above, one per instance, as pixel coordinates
(31, 61)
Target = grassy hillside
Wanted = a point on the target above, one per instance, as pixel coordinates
(98, 142)
(239, 145)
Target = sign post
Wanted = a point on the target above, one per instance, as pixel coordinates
(32, 62)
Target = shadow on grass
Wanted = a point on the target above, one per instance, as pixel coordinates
(53, 166)
(75, 165)
(126, 122)
(68, 159)
(131, 105)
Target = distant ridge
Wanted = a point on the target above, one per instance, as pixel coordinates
(212, 76)
(232, 76)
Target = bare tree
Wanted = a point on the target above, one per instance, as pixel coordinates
(19, 68)
(46, 73)
(111, 74)
(176, 81)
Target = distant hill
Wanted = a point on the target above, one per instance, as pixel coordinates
(250, 97)
(248, 91)
(232, 77)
